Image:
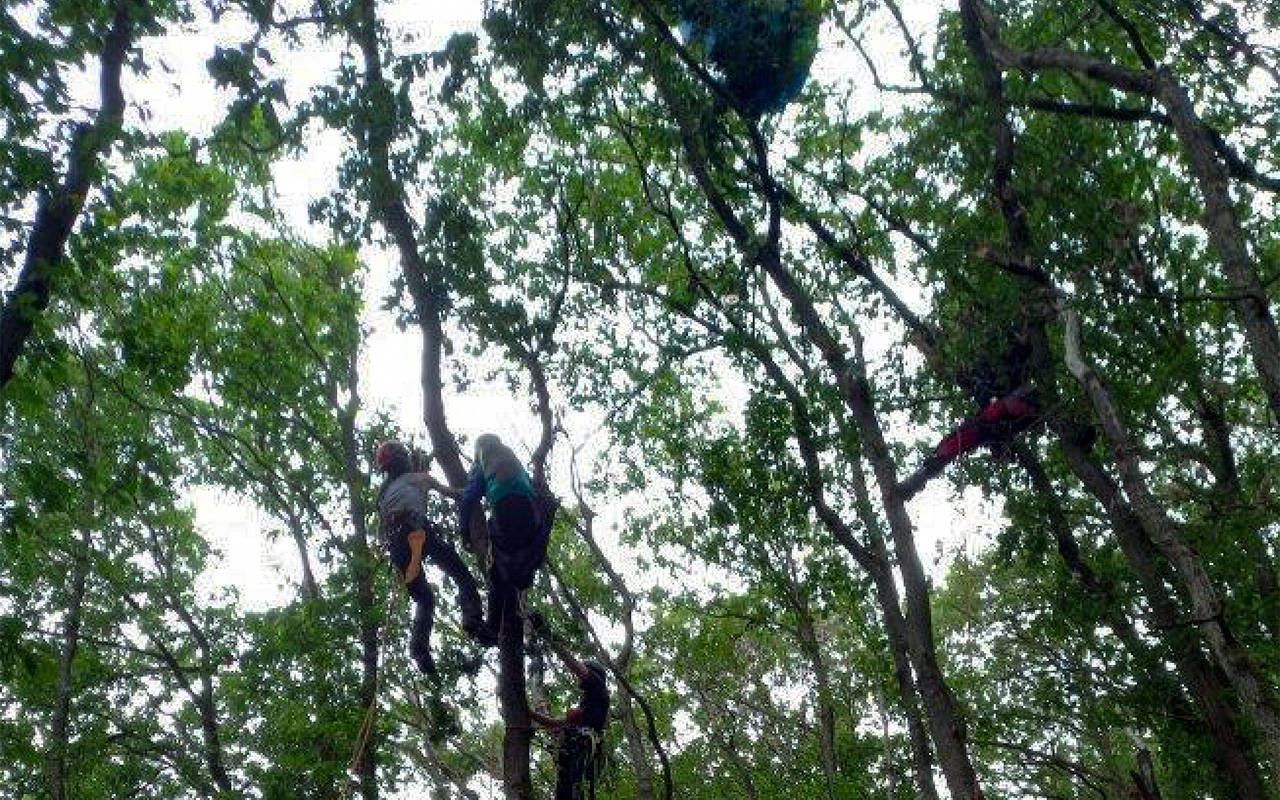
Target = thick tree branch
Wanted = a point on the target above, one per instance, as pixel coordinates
(1207, 608)
(59, 209)
(388, 204)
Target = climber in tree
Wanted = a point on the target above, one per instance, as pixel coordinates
(995, 426)
(409, 537)
(1008, 405)
(762, 49)
(581, 731)
(519, 520)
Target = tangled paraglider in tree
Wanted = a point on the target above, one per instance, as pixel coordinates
(762, 49)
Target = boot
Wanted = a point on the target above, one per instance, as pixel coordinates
(420, 643)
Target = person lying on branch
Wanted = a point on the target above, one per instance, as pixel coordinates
(994, 427)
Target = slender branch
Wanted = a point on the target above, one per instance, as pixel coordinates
(1131, 30)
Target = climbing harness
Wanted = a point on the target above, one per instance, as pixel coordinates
(577, 761)
(365, 734)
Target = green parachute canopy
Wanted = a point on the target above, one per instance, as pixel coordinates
(762, 49)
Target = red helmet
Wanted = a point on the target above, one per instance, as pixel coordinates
(391, 453)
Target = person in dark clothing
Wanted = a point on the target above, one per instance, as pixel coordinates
(519, 520)
(763, 49)
(409, 537)
(581, 731)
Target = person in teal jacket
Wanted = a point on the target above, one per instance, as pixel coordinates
(519, 520)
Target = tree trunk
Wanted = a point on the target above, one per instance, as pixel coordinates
(636, 749)
(376, 131)
(367, 764)
(1222, 223)
(895, 627)
(826, 713)
(310, 589)
(1256, 695)
(890, 776)
(1228, 748)
(204, 698)
(423, 278)
(740, 767)
(1101, 592)
(874, 560)
(1208, 688)
(621, 664)
(983, 41)
(210, 733)
(1144, 777)
(811, 649)
(945, 723)
(513, 703)
(362, 568)
(1229, 496)
(59, 724)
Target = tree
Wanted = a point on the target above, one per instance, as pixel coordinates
(739, 335)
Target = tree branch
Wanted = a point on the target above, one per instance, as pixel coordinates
(58, 211)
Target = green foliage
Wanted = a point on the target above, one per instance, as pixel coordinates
(583, 206)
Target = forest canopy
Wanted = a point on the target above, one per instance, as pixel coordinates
(899, 384)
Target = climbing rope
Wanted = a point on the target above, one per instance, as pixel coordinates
(365, 734)
(371, 712)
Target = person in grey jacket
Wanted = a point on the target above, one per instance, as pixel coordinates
(409, 537)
